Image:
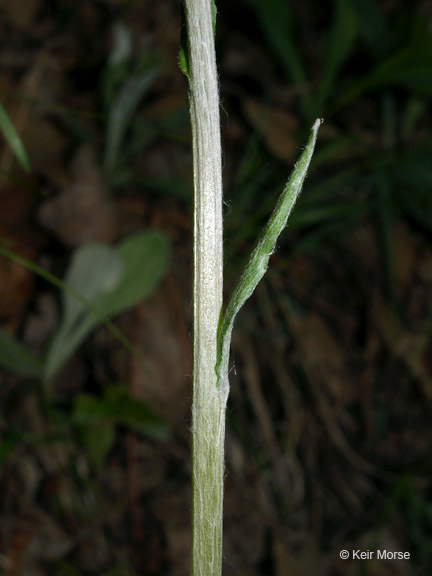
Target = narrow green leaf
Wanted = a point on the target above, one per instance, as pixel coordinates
(258, 262)
(119, 63)
(410, 67)
(373, 27)
(13, 139)
(16, 358)
(122, 49)
(123, 108)
(276, 20)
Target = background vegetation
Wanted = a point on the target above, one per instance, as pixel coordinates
(329, 418)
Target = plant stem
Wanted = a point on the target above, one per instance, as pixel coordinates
(209, 402)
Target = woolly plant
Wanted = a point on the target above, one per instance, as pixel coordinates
(212, 327)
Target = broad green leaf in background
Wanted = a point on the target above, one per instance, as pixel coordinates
(95, 268)
(16, 358)
(113, 280)
(145, 257)
(13, 139)
(63, 286)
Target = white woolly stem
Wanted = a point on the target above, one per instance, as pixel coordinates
(209, 402)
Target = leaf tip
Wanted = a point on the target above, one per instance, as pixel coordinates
(318, 122)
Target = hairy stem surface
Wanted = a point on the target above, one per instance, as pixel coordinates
(209, 402)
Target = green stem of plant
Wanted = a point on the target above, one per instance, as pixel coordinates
(209, 402)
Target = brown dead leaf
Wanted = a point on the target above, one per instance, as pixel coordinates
(17, 235)
(278, 127)
(19, 542)
(83, 211)
(406, 251)
(15, 287)
(20, 13)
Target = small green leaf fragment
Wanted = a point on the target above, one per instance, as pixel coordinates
(13, 139)
(258, 262)
(214, 14)
(183, 57)
(182, 60)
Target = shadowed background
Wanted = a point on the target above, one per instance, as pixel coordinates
(328, 442)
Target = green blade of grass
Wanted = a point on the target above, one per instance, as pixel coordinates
(276, 20)
(258, 262)
(341, 42)
(13, 139)
(122, 110)
(410, 67)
